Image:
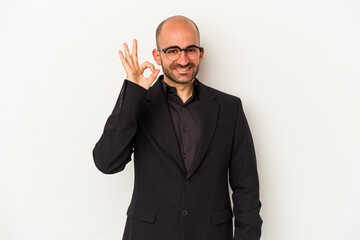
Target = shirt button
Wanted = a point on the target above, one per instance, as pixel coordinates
(187, 182)
(184, 156)
(185, 213)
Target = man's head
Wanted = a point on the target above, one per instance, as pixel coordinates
(178, 31)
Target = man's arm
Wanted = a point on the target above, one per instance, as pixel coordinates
(114, 148)
(244, 182)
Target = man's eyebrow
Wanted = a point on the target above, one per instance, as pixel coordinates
(172, 47)
(193, 45)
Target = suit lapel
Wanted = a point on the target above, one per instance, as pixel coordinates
(209, 116)
(160, 113)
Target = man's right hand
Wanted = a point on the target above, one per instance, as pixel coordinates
(134, 72)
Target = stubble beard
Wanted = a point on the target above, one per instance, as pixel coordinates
(172, 77)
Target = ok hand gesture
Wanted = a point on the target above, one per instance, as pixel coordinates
(134, 72)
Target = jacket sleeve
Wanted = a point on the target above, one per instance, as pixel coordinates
(114, 148)
(244, 182)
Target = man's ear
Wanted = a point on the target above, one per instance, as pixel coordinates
(156, 55)
(202, 54)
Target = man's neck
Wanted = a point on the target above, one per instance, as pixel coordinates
(183, 90)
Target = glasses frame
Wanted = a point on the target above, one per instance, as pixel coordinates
(181, 49)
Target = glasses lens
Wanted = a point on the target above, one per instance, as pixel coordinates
(175, 52)
(172, 53)
(192, 52)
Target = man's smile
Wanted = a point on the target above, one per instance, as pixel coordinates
(183, 70)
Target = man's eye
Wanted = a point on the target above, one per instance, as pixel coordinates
(172, 51)
(191, 50)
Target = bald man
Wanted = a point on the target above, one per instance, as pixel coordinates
(189, 142)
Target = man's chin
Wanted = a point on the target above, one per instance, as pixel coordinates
(182, 79)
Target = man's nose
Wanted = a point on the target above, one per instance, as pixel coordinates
(183, 59)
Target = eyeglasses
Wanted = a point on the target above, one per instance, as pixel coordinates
(173, 53)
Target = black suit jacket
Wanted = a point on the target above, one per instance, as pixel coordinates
(169, 203)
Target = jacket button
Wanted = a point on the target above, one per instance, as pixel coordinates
(187, 182)
(185, 213)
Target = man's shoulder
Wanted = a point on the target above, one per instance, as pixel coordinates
(220, 95)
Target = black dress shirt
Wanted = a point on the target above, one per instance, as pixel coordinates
(186, 119)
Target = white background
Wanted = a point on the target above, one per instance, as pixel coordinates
(294, 64)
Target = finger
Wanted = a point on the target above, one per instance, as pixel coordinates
(154, 74)
(127, 54)
(146, 65)
(124, 62)
(134, 53)
(134, 49)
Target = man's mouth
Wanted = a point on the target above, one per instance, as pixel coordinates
(183, 69)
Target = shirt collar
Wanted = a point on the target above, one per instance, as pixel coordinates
(169, 89)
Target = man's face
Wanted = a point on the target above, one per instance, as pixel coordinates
(183, 70)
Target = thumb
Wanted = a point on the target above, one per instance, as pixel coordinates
(154, 74)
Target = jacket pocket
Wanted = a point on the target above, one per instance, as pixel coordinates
(142, 213)
(222, 216)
